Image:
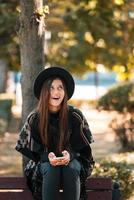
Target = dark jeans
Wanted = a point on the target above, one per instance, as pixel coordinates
(65, 177)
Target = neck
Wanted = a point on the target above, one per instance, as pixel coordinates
(54, 108)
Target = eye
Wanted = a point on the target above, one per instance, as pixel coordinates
(51, 88)
(60, 87)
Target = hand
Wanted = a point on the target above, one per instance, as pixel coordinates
(55, 161)
(51, 157)
(62, 161)
(66, 157)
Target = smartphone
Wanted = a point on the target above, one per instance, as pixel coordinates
(59, 158)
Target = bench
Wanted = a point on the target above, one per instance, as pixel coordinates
(15, 188)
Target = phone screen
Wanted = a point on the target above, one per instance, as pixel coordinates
(59, 158)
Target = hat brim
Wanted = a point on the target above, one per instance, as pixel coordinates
(54, 72)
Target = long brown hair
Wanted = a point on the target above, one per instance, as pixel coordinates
(43, 110)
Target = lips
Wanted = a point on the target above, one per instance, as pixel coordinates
(56, 98)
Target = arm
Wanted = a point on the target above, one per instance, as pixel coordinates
(81, 139)
(86, 159)
(25, 141)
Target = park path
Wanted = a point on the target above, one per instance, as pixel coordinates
(105, 141)
(105, 144)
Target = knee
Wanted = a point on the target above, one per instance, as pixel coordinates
(73, 167)
(47, 168)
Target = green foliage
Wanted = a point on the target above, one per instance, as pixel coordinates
(91, 31)
(5, 112)
(123, 126)
(3, 126)
(9, 41)
(120, 172)
(119, 98)
(5, 108)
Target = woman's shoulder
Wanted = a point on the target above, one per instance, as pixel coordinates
(32, 115)
(76, 112)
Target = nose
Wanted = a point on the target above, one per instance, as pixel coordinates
(55, 91)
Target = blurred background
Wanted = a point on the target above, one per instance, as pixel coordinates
(94, 40)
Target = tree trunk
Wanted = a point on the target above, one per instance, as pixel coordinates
(31, 35)
(3, 76)
(96, 82)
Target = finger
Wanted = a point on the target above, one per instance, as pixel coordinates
(64, 152)
(66, 163)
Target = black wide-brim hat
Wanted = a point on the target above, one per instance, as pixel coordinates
(57, 72)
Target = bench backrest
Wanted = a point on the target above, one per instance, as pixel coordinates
(99, 188)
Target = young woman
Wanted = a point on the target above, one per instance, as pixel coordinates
(57, 135)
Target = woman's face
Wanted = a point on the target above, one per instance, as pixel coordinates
(57, 94)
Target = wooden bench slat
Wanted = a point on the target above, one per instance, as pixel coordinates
(20, 182)
(99, 183)
(98, 189)
(105, 195)
(93, 195)
(96, 195)
(13, 183)
(24, 195)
